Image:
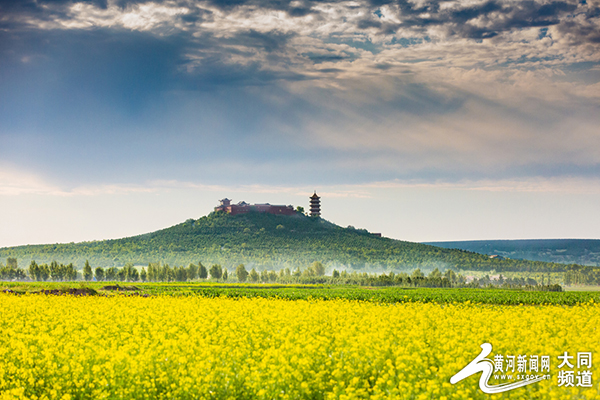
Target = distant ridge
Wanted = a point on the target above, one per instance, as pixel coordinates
(266, 241)
(565, 251)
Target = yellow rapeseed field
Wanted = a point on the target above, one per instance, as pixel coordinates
(65, 347)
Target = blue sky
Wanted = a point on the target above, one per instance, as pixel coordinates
(423, 120)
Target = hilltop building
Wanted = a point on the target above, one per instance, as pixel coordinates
(315, 205)
(242, 207)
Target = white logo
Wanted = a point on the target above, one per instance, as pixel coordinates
(486, 367)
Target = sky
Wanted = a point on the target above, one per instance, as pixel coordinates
(422, 120)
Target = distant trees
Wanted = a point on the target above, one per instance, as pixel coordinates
(39, 272)
(11, 270)
(313, 274)
(417, 273)
(111, 274)
(215, 271)
(318, 268)
(88, 274)
(61, 272)
(54, 271)
(202, 272)
(435, 274)
(192, 272)
(129, 273)
(100, 274)
(451, 276)
(579, 277)
(180, 274)
(241, 273)
(164, 273)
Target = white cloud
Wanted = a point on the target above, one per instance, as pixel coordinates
(13, 182)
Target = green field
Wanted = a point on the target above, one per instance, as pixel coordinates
(308, 292)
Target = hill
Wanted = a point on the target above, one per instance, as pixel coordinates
(266, 241)
(566, 251)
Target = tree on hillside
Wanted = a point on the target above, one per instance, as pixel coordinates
(11, 263)
(225, 274)
(88, 274)
(241, 273)
(216, 271)
(300, 209)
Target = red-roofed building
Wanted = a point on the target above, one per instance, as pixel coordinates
(242, 207)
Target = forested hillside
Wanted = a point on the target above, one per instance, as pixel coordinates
(566, 251)
(266, 241)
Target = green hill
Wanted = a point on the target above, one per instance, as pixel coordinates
(266, 241)
(565, 251)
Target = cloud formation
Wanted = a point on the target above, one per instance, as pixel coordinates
(336, 91)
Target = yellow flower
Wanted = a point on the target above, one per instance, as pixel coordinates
(61, 347)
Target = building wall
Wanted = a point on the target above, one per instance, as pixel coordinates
(235, 209)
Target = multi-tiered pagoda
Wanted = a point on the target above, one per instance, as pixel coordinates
(315, 205)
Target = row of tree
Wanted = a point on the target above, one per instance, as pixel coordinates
(11, 271)
(43, 272)
(314, 274)
(582, 277)
(54, 271)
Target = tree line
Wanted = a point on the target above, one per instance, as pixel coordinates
(313, 274)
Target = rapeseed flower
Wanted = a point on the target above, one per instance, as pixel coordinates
(63, 347)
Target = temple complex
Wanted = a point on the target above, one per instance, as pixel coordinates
(242, 207)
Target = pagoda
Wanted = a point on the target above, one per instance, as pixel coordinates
(315, 205)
